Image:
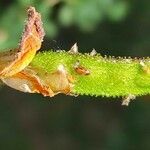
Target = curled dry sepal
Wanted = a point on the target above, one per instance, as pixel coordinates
(71, 73)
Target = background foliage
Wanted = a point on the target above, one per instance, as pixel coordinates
(85, 14)
(112, 27)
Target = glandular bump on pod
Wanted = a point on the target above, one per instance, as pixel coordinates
(127, 99)
(145, 67)
(74, 49)
(93, 52)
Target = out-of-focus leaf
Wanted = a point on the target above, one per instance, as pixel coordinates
(118, 11)
(66, 15)
(85, 14)
(11, 24)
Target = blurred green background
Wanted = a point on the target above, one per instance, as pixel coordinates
(112, 27)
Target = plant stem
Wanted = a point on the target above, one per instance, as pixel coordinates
(108, 76)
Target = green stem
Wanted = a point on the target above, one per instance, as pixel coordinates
(110, 77)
